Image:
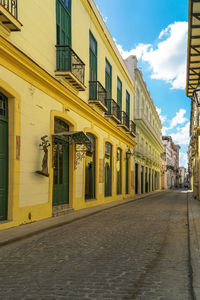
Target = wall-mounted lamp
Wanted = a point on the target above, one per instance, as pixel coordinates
(129, 153)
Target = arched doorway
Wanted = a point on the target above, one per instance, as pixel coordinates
(108, 169)
(60, 164)
(90, 168)
(119, 171)
(3, 157)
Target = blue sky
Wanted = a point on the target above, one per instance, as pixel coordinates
(156, 32)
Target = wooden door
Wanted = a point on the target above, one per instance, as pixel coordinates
(3, 157)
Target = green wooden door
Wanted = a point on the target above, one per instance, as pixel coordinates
(63, 22)
(93, 67)
(128, 104)
(61, 166)
(108, 169)
(63, 34)
(3, 157)
(127, 175)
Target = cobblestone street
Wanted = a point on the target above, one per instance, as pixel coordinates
(137, 250)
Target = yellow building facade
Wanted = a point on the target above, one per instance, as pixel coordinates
(63, 79)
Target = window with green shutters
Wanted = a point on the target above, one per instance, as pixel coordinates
(108, 80)
(63, 22)
(128, 104)
(119, 92)
(93, 66)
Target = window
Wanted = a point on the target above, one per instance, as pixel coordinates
(119, 92)
(108, 80)
(128, 104)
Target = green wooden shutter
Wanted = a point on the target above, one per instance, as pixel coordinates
(119, 93)
(93, 66)
(108, 80)
(63, 23)
(128, 104)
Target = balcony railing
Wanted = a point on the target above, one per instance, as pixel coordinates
(113, 109)
(68, 61)
(132, 127)
(97, 93)
(11, 6)
(124, 119)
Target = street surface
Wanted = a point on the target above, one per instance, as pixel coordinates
(137, 250)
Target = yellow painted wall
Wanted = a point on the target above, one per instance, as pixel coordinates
(41, 98)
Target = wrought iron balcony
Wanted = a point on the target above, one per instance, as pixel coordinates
(9, 15)
(132, 127)
(113, 110)
(97, 95)
(11, 6)
(124, 120)
(70, 66)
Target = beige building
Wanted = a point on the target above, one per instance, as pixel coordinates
(172, 162)
(147, 154)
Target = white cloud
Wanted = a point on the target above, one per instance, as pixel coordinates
(164, 130)
(183, 159)
(164, 32)
(105, 19)
(162, 117)
(168, 59)
(179, 118)
(181, 137)
(138, 51)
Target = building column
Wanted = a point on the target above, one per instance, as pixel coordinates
(150, 182)
(144, 181)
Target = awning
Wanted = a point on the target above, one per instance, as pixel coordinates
(193, 58)
(74, 137)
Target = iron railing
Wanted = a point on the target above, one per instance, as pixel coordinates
(132, 127)
(11, 6)
(113, 108)
(97, 92)
(124, 119)
(68, 60)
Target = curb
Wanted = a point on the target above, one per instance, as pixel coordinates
(25, 231)
(194, 238)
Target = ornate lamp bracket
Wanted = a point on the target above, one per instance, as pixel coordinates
(44, 146)
(80, 151)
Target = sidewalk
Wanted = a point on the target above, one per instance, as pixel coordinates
(194, 232)
(21, 232)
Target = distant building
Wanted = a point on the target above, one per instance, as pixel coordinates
(182, 176)
(149, 146)
(172, 162)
